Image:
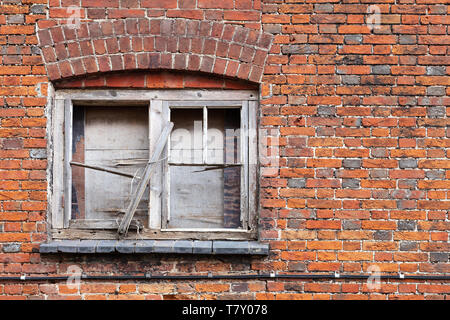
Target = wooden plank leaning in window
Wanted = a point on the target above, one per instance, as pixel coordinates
(125, 223)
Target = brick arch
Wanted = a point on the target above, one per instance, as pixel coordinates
(146, 44)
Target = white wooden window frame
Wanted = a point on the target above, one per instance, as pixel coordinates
(159, 102)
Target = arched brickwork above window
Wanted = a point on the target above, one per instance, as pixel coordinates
(146, 44)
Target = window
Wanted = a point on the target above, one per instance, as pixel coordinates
(166, 164)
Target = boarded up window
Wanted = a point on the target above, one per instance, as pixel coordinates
(115, 138)
(188, 151)
(205, 168)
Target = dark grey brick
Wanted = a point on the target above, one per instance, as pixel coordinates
(202, 247)
(183, 246)
(325, 131)
(435, 174)
(351, 225)
(407, 39)
(436, 91)
(408, 246)
(292, 286)
(239, 287)
(425, 101)
(351, 163)
(297, 266)
(35, 50)
(350, 183)
(106, 246)
(379, 153)
(412, 101)
(349, 60)
(407, 225)
(436, 112)
(407, 163)
(323, 7)
(382, 235)
(325, 173)
(439, 256)
(38, 153)
(145, 246)
(381, 69)
(326, 110)
(351, 79)
(353, 39)
(378, 173)
(38, 8)
(436, 71)
(15, 19)
(411, 183)
(297, 183)
(380, 194)
(11, 247)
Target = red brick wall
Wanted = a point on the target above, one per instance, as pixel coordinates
(363, 121)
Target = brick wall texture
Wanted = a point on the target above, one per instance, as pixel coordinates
(362, 110)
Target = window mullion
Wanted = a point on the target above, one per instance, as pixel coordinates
(205, 136)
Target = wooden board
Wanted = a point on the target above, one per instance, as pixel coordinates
(186, 140)
(147, 95)
(114, 138)
(196, 197)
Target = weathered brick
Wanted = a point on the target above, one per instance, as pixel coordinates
(361, 117)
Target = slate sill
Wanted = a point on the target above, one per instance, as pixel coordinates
(156, 246)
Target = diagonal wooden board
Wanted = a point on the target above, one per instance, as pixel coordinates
(137, 196)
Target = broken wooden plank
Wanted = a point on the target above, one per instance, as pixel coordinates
(163, 138)
(99, 168)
